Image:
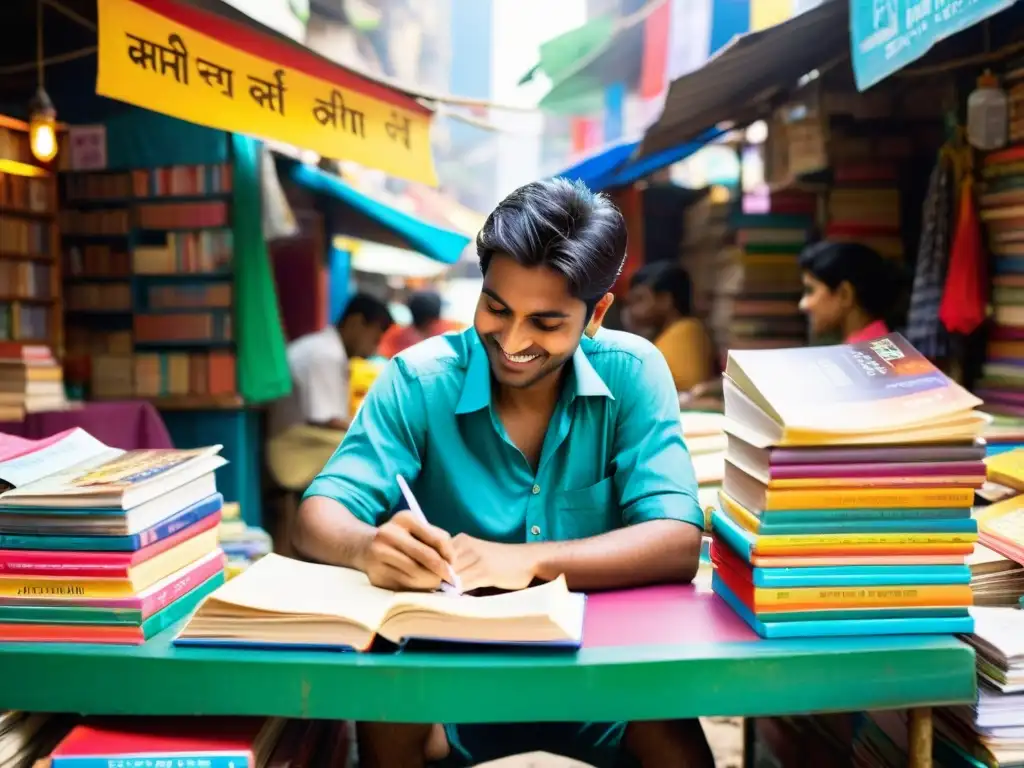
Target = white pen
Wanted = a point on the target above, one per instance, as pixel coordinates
(453, 585)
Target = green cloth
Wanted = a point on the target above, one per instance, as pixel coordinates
(574, 92)
(262, 363)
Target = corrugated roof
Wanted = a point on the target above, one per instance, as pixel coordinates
(748, 70)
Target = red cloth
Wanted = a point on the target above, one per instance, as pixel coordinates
(963, 300)
(129, 425)
(400, 337)
(875, 330)
(654, 64)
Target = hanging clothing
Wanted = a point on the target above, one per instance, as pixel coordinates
(262, 365)
(924, 329)
(964, 300)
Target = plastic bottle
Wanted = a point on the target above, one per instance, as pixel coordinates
(987, 114)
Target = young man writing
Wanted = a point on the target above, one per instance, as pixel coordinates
(535, 451)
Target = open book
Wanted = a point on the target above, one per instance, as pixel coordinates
(80, 472)
(873, 392)
(283, 602)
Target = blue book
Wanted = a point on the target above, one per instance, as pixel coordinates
(768, 526)
(841, 627)
(180, 520)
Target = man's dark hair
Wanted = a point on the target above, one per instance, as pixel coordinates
(371, 309)
(425, 308)
(563, 226)
(666, 277)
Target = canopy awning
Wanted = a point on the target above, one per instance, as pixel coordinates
(732, 85)
(884, 39)
(619, 164)
(363, 217)
(206, 62)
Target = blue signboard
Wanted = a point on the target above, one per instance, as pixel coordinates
(886, 35)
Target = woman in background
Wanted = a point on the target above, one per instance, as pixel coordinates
(850, 290)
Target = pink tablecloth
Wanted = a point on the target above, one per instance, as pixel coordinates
(129, 425)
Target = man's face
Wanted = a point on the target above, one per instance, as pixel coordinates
(529, 323)
(364, 338)
(642, 315)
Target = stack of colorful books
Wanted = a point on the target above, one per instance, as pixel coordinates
(846, 503)
(1000, 199)
(100, 545)
(243, 544)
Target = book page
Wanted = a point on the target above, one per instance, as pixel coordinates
(551, 600)
(78, 448)
(281, 585)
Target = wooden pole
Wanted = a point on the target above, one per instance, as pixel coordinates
(920, 738)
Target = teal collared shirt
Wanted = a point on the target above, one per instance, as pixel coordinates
(613, 454)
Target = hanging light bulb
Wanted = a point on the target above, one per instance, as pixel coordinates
(42, 120)
(42, 127)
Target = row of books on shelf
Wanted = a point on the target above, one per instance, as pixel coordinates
(98, 297)
(164, 374)
(97, 260)
(209, 251)
(154, 216)
(190, 327)
(25, 193)
(24, 237)
(24, 322)
(117, 296)
(178, 180)
(25, 280)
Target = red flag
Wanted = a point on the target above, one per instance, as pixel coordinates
(654, 64)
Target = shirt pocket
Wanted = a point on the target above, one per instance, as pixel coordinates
(588, 511)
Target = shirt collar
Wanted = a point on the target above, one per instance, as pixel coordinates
(476, 388)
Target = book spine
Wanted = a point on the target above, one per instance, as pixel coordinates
(151, 603)
(156, 760)
(23, 564)
(816, 516)
(771, 528)
(879, 497)
(839, 541)
(862, 597)
(63, 588)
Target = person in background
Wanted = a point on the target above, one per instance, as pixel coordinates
(536, 451)
(849, 290)
(425, 308)
(307, 425)
(659, 306)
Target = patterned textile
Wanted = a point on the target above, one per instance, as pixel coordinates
(924, 329)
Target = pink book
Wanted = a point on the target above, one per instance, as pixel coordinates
(865, 470)
(762, 561)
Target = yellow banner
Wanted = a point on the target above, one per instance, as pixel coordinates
(166, 65)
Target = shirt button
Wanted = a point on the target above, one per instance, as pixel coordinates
(536, 490)
(535, 530)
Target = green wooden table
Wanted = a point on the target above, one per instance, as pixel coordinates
(670, 652)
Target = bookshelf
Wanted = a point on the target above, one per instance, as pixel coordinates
(30, 281)
(149, 279)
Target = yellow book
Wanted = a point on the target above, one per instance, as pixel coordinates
(1007, 469)
(897, 595)
(140, 577)
(754, 495)
(280, 601)
(878, 391)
